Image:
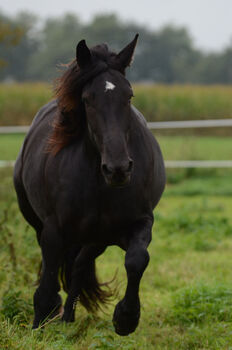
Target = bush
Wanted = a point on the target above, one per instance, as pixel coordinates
(14, 307)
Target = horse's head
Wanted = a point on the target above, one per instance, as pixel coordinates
(107, 100)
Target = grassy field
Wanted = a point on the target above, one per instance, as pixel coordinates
(20, 102)
(186, 291)
(173, 147)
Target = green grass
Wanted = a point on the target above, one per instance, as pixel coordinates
(10, 145)
(201, 303)
(195, 148)
(203, 182)
(186, 291)
(173, 147)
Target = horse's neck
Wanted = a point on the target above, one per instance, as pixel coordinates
(138, 115)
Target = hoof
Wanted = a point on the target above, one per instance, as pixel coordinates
(68, 317)
(125, 320)
(69, 314)
(57, 312)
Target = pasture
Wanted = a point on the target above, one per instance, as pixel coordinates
(186, 291)
(173, 147)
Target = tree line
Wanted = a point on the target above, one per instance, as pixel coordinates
(32, 49)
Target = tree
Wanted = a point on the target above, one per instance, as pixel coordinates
(17, 56)
(58, 40)
(9, 35)
(167, 55)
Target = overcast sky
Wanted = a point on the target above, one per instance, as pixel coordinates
(209, 21)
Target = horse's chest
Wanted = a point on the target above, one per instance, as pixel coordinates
(101, 228)
(105, 220)
(109, 214)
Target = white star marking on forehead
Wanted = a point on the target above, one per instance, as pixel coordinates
(109, 86)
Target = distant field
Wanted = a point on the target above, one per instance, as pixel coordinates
(20, 102)
(183, 102)
(186, 291)
(173, 147)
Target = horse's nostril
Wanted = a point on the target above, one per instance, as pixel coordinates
(106, 170)
(130, 166)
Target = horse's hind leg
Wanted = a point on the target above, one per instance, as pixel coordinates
(127, 312)
(47, 301)
(67, 267)
(84, 283)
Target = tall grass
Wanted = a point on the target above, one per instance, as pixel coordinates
(20, 102)
(181, 102)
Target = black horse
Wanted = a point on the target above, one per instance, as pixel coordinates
(88, 176)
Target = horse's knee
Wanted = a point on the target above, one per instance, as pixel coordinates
(136, 261)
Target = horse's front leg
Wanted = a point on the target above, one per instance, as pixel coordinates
(127, 311)
(47, 301)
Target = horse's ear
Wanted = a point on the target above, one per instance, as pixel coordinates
(83, 54)
(125, 57)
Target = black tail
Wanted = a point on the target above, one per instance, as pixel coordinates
(92, 293)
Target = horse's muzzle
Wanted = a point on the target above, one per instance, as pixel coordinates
(118, 176)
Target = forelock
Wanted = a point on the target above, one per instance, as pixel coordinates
(102, 53)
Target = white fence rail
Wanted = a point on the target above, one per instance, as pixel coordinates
(209, 123)
(168, 163)
(183, 124)
(14, 129)
(198, 164)
(6, 163)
